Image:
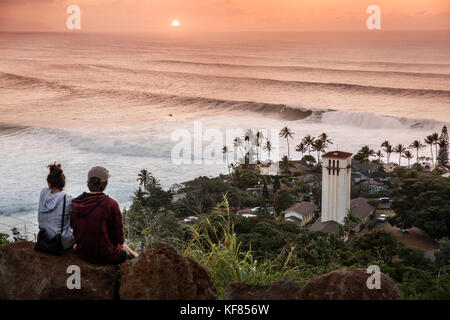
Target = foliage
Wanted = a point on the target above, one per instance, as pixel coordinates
(443, 143)
(421, 200)
(261, 250)
(443, 256)
(215, 247)
(282, 200)
(202, 194)
(245, 178)
(375, 247)
(4, 238)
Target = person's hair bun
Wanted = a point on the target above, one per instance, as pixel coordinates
(55, 169)
(56, 178)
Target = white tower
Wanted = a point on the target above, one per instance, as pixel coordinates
(336, 185)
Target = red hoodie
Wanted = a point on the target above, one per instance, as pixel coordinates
(97, 228)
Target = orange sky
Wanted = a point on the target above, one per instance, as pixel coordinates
(222, 15)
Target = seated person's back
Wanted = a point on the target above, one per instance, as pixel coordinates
(97, 223)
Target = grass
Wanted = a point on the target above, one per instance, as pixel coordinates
(216, 249)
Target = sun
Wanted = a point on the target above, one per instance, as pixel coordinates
(175, 23)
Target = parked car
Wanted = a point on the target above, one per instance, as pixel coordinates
(404, 230)
(382, 217)
(256, 209)
(189, 219)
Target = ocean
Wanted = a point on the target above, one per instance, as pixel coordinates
(115, 100)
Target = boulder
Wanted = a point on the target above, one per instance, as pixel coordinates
(163, 274)
(279, 290)
(32, 275)
(349, 284)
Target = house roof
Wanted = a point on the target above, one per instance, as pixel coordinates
(361, 208)
(303, 208)
(329, 226)
(294, 219)
(337, 155)
(359, 166)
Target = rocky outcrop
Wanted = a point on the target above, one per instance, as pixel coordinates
(349, 284)
(28, 274)
(280, 290)
(163, 274)
(160, 274)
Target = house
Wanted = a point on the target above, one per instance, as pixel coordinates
(253, 211)
(358, 177)
(328, 226)
(300, 213)
(371, 186)
(365, 168)
(271, 169)
(380, 176)
(360, 207)
(259, 189)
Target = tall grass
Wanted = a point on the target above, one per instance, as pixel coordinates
(215, 247)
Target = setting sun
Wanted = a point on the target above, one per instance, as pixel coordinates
(175, 23)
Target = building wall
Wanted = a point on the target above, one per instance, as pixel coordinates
(335, 189)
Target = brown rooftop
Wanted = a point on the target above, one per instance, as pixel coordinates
(337, 154)
(329, 226)
(303, 208)
(361, 208)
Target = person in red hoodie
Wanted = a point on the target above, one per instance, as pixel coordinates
(98, 225)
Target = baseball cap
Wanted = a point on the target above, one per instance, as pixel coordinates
(99, 172)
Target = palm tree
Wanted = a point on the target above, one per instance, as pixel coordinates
(237, 143)
(285, 164)
(225, 152)
(144, 178)
(308, 141)
(388, 149)
(326, 139)
(269, 148)
(417, 144)
(408, 155)
(248, 137)
(430, 140)
(287, 133)
(365, 153)
(259, 137)
(301, 148)
(435, 137)
(380, 155)
(400, 149)
(318, 146)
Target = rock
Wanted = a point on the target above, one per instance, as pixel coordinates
(163, 274)
(32, 275)
(279, 290)
(349, 284)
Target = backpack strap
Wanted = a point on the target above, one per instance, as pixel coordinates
(63, 213)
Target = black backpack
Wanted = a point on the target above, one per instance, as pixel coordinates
(51, 245)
